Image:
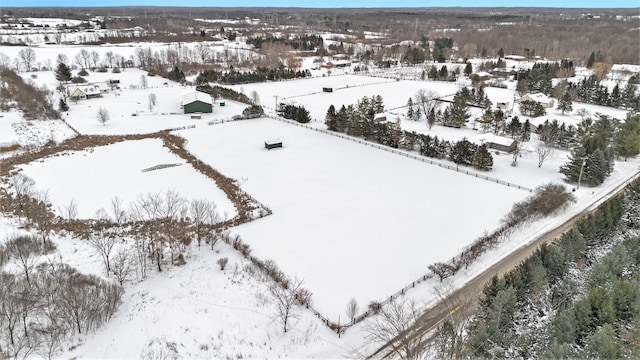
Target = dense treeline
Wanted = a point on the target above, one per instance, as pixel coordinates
(261, 74)
(589, 90)
(34, 103)
(361, 121)
(300, 43)
(294, 112)
(222, 92)
(569, 300)
(596, 145)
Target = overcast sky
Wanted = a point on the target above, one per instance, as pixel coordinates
(332, 3)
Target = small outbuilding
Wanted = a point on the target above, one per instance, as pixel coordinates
(272, 144)
(197, 102)
(499, 143)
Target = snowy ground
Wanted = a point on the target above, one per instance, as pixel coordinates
(351, 220)
(93, 177)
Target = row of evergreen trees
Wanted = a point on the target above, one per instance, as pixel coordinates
(294, 112)
(589, 90)
(592, 158)
(359, 121)
(261, 74)
(532, 311)
(301, 43)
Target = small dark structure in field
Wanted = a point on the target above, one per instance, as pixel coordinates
(272, 144)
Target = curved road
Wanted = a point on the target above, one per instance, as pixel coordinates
(434, 316)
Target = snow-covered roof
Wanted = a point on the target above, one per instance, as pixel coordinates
(625, 67)
(196, 96)
(493, 138)
(87, 89)
(538, 97)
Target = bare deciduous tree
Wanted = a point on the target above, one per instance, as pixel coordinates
(544, 150)
(448, 341)
(103, 242)
(203, 213)
(284, 299)
(22, 249)
(144, 81)
(352, 310)
(103, 116)
(70, 212)
(426, 100)
(28, 57)
(119, 215)
(443, 270)
(122, 265)
(202, 51)
(393, 324)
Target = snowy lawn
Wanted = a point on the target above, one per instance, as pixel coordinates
(92, 178)
(350, 220)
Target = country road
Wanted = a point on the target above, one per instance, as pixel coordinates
(465, 298)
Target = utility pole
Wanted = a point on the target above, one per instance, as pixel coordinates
(581, 169)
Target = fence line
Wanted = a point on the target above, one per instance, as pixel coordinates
(403, 153)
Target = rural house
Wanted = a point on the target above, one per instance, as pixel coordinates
(496, 142)
(197, 102)
(539, 98)
(87, 91)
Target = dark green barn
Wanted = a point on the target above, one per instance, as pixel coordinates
(197, 102)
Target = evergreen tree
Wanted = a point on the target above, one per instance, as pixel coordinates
(514, 127)
(468, 69)
(565, 103)
(463, 152)
(433, 72)
(331, 119)
(431, 119)
(482, 158)
(532, 108)
(411, 114)
(627, 137)
(62, 105)
(591, 60)
(458, 111)
(62, 72)
(525, 135)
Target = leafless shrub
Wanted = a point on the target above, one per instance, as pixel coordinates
(443, 270)
(547, 199)
(222, 262)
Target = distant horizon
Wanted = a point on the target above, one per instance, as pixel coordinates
(329, 4)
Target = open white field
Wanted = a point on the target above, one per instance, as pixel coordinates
(350, 220)
(347, 90)
(92, 178)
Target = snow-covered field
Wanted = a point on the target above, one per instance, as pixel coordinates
(93, 177)
(351, 220)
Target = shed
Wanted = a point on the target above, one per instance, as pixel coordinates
(327, 89)
(272, 144)
(499, 143)
(197, 102)
(380, 117)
